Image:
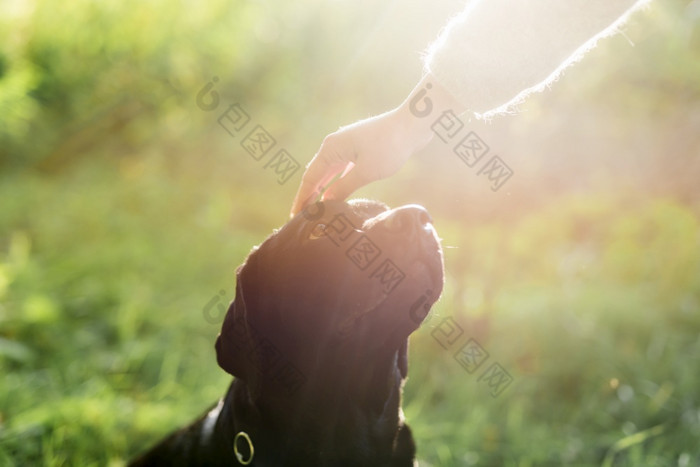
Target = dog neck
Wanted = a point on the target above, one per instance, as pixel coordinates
(319, 431)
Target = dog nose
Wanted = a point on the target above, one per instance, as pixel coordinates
(407, 218)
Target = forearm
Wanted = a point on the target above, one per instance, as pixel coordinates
(497, 51)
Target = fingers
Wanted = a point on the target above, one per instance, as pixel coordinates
(346, 185)
(306, 193)
(318, 174)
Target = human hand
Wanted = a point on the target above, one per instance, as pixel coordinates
(374, 148)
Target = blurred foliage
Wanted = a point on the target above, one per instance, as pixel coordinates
(117, 76)
(125, 209)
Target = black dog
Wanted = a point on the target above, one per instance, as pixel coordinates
(317, 340)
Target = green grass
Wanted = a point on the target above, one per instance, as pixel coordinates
(591, 305)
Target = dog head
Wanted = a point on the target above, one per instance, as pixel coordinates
(326, 304)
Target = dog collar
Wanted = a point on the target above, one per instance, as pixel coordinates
(239, 456)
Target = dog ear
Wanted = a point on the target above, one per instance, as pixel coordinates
(404, 447)
(402, 359)
(236, 339)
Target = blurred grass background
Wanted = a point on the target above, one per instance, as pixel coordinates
(125, 209)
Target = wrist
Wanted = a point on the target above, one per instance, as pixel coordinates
(423, 106)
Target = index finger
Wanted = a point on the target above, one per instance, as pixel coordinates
(317, 175)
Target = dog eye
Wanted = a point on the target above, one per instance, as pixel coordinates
(318, 231)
